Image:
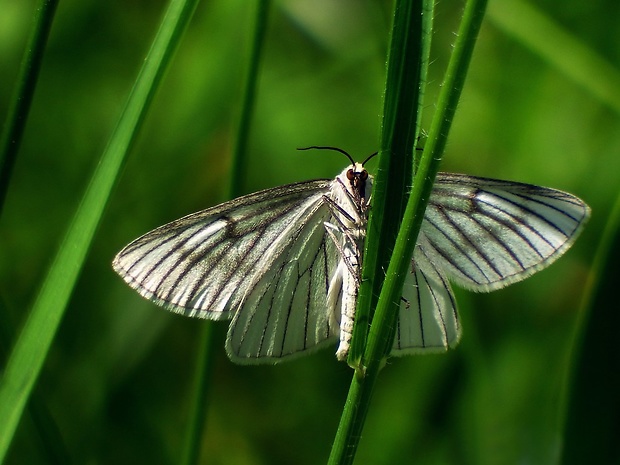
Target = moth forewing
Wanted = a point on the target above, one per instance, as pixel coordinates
(486, 233)
(168, 267)
(482, 234)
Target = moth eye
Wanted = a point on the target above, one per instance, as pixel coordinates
(364, 175)
(350, 175)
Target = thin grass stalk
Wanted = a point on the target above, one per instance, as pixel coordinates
(13, 129)
(381, 331)
(402, 103)
(31, 348)
(204, 366)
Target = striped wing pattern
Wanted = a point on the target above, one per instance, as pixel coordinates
(201, 265)
(482, 234)
(485, 233)
(266, 261)
(428, 319)
(286, 309)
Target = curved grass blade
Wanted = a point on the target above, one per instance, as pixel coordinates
(30, 350)
(382, 330)
(409, 46)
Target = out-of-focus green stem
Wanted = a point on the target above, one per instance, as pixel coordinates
(204, 367)
(13, 129)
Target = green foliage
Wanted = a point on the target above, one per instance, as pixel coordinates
(117, 379)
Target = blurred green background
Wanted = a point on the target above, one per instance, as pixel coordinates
(118, 379)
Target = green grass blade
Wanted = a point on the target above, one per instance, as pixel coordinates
(30, 350)
(50, 439)
(240, 156)
(200, 403)
(13, 129)
(592, 410)
(405, 82)
(204, 365)
(406, 73)
(381, 331)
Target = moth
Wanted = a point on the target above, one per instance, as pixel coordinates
(284, 263)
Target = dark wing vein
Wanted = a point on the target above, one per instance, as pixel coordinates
(285, 309)
(428, 319)
(200, 265)
(485, 233)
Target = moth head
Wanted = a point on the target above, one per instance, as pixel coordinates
(355, 179)
(359, 180)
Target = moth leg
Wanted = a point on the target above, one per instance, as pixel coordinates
(337, 209)
(330, 228)
(354, 201)
(352, 235)
(349, 273)
(334, 298)
(350, 289)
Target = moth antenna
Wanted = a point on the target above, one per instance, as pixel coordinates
(369, 157)
(327, 147)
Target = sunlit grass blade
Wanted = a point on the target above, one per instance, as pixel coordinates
(408, 55)
(405, 84)
(382, 329)
(32, 346)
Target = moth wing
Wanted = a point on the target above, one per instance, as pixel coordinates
(428, 319)
(202, 264)
(486, 233)
(292, 305)
(483, 234)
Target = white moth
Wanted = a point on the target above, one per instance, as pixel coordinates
(285, 263)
